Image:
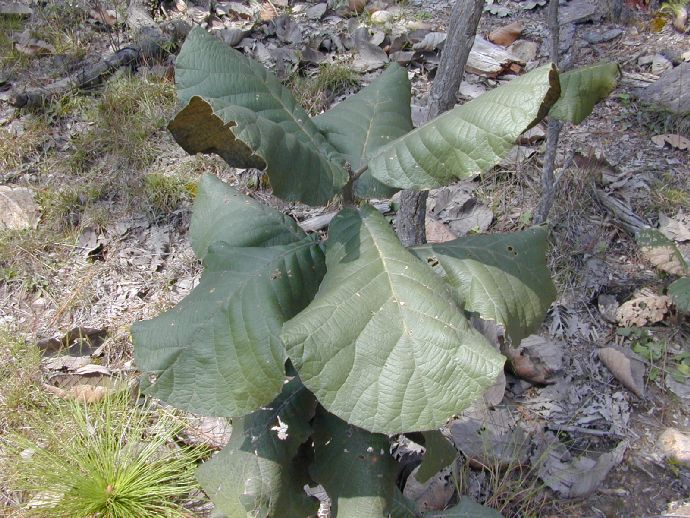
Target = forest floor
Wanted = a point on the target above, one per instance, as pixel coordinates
(96, 197)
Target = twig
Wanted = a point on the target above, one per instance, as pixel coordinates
(588, 431)
(323, 220)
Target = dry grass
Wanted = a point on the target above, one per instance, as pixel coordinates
(316, 92)
(123, 123)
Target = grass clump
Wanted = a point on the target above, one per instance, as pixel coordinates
(165, 193)
(112, 459)
(316, 93)
(16, 149)
(20, 374)
(130, 109)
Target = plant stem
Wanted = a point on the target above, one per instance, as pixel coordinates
(553, 130)
(461, 32)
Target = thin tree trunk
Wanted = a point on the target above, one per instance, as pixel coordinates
(553, 129)
(461, 32)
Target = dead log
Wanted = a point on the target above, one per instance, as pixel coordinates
(88, 77)
(623, 214)
(149, 44)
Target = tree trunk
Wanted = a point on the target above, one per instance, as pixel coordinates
(461, 32)
(553, 130)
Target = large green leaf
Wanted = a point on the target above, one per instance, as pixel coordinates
(218, 352)
(679, 291)
(367, 121)
(439, 453)
(258, 473)
(383, 345)
(581, 89)
(223, 214)
(469, 139)
(503, 277)
(240, 111)
(354, 466)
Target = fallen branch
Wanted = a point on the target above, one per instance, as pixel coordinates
(323, 220)
(149, 42)
(623, 214)
(86, 78)
(588, 431)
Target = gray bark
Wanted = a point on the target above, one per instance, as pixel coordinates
(464, 21)
(553, 131)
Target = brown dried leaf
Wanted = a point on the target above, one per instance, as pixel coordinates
(507, 34)
(357, 6)
(676, 141)
(81, 393)
(643, 310)
(666, 258)
(622, 369)
(106, 16)
(267, 12)
(437, 232)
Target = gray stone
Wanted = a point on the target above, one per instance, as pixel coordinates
(317, 11)
(670, 90)
(595, 37)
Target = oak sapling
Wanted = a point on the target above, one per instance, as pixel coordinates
(320, 350)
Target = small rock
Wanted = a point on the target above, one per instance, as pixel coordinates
(382, 16)
(675, 445)
(525, 50)
(608, 307)
(577, 11)
(660, 65)
(18, 210)
(402, 57)
(15, 9)
(471, 90)
(232, 36)
(595, 37)
(645, 60)
(670, 90)
(317, 11)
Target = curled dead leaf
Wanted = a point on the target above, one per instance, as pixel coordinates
(628, 371)
(507, 34)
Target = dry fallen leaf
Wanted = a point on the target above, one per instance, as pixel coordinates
(643, 310)
(507, 34)
(676, 141)
(661, 252)
(535, 359)
(267, 12)
(437, 232)
(666, 258)
(81, 393)
(673, 229)
(629, 374)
